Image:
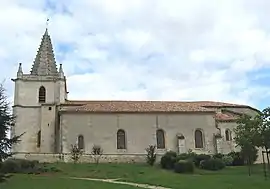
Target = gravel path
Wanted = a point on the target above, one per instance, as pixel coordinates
(122, 182)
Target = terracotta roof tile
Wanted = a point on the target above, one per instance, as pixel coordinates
(225, 117)
(133, 106)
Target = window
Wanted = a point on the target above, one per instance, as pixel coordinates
(50, 108)
(198, 139)
(228, 135)
(80, 142)
(38, 138)
(160, 139)
(42, 95)
(121, 139)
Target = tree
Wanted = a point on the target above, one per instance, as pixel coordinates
(263, 131)
(246, 137)
(97, 152)
(76, 153)
(151, 154)
(6, 123)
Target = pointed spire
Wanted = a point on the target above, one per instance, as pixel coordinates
(20, 72)
(44, 63)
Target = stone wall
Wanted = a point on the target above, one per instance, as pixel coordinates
(140, 129)
(85, 158)
(88, 158)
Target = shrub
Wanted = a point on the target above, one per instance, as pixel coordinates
(184, 156)
(228, 160)
(97, 152)
(184, 166)
(218, 156)
(25, 166)
(212, 164)
(11, 166)
(168, 160)
(151, 155)
(200, 157)
(238, 159)
(75, 153)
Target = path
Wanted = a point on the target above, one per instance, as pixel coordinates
(122, 182)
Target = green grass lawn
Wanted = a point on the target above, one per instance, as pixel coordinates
(229, 178)
(42, 182)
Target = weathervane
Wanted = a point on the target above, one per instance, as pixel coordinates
(47, 23)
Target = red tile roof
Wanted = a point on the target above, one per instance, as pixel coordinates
(143, 106)
(225, 117)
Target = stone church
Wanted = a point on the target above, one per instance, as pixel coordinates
(123, 129)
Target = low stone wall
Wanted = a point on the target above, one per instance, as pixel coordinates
(88, 158)
(85, 158)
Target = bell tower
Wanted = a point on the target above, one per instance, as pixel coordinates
(36, 99)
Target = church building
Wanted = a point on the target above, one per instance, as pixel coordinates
(51, 123)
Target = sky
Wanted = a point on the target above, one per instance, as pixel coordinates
(216, 50)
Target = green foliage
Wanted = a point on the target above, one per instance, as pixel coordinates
(218, 155)
(97, 152)
(238, 159)
(247, 137)
(168, 160)
(6, 123)
(200, 157)
(250, 155)
(76, 153)
(246, 132)
(151, 155)
(186, 156)
(25, 166)
(212, 164)
(184, 166)
(263, 130)
(228, 160)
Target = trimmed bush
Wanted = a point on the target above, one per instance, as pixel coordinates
(168, 160)
(212, 164)
(238, 159)
(186, 156)
(218, 156)
(184, 166)
(228, 160)
(25, 166)
(11, 166)
(200, 157)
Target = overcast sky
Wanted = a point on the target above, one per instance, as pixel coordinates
(146, 49)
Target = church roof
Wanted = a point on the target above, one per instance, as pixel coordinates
(143, 106)
(44, 63)
(225, 117)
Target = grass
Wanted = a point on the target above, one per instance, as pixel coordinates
(229, 178)
(34, 182)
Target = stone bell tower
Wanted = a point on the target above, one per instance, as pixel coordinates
(36, 99)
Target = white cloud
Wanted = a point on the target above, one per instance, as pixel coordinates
(164, 49)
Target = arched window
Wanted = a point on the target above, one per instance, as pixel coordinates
(42, 95)
(38, 139)
(198, 139)
(80, 142)
(160, 139)
(121, 139)
(228, 135)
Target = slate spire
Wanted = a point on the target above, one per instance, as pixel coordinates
(44, 63)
